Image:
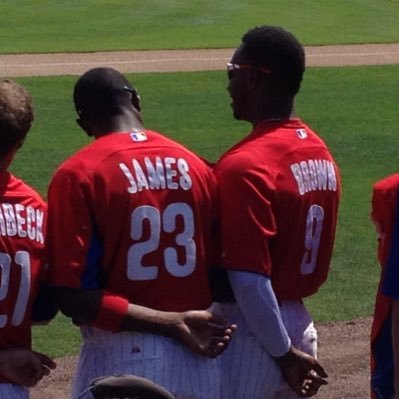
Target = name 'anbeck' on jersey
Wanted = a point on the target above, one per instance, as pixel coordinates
(22, 221)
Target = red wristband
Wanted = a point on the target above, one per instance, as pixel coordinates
(112, 312)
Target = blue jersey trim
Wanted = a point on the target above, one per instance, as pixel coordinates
(92, 273)
(390, 282)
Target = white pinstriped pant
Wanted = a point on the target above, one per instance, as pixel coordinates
(163, 360)
(248, 371)
(13, 391)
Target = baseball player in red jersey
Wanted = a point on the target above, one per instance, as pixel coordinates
(279, 191)
(22, 251)
(130, 222)
(385, 326)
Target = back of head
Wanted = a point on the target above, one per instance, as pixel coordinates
(278, 50)
(101, 93)
(16, 114)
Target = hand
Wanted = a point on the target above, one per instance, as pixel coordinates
(199, 330)
(23, 366)
(303, 373)
(204, 332)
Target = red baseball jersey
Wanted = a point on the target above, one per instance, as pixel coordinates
(132, 213)
(279, 191)
(385, 212)
(22, 258)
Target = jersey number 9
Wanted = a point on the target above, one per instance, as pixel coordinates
(314, 225)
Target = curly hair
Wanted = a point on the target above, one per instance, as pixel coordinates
(278, 50)
(16, 114)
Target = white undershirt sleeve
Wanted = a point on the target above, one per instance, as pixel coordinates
(256, 299)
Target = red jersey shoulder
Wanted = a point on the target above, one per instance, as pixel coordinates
(271, 148)
(277, 139)
(383, 212)
(23, 215)
(386, 186)
(16, 190)
(100, 149)
(297, 136)
(384, 199)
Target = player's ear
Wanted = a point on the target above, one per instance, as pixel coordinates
(136, 101)
(135, 97)
(258, 79)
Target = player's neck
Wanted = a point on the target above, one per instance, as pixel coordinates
(119, 124)
(6, 159)
(275, 118)
(273, 111)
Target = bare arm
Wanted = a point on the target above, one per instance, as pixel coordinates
(23, 366)
(199, 330)
(395, 344)
(303, 372)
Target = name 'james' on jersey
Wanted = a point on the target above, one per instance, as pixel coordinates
(141, 222)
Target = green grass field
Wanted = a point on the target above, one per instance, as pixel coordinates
(90, 25)
(354, 109)
(359, 124)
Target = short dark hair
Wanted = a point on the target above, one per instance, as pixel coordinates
(278, 50)
(16, 114)
(101, 93)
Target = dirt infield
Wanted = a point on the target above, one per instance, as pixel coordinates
(182, 60)
(343, 352)
(343, 346)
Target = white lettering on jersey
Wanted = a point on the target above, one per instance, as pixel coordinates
(171, 173)
(314, 174)
(185, 179)
(156, 174)
(144, 244)
(133, 186)
(142, 182)
(21, 259)
(21, 221)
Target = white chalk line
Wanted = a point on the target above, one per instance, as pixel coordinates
(172, 60)
(154, 61)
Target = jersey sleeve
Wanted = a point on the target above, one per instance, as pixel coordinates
(75, 247)
(246, 217)
(385, 214)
